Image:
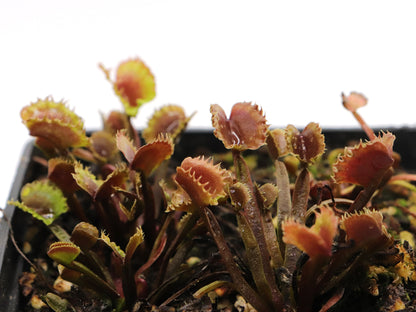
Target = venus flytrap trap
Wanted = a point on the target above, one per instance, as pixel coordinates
(354, 101)
(366, 164)
(56, 128)
(134, 85)
(316, 242)
(279, 224)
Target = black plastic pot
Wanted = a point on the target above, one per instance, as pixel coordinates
(192, 143)
(11, 264)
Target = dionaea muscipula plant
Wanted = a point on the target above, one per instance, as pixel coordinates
(311, 231)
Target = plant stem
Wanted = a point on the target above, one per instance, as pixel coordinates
(95, 279)
(271, 239)
(149, 224)
(299, 207)
(307, 289)
(75, 207)
(365, 195)
(254, 257)
(254, 220)
(133, 133)
(366, 128)
(301, 195)
(284, 202)
(158, 246)
(240, 283)
(129, 284)
(180, 235)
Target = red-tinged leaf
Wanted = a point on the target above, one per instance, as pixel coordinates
(113, 182)
(365, 161)
(353, 101)
(125, 145)
(276, 143)
(103, 146)
(47, 147)
(333, 300)
(98, 188)
(204, 182)
(240, 195)
(84, 154)
(240, 283)
(308, 144)
(268, 194)
(86, 180)
(316, 240)
(115, 122)
(150, 156)
(53, 122)
(118, 252)
(135, 240)
(366, 230)
(60, 172)
(170, 119)
(153, 256)
(84, 235)
(176, 199)
(134, 84)
(245, 129)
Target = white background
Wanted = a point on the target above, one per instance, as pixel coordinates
(293, 58)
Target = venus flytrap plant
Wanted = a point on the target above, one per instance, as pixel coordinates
(362, 239)
(241, 197)
(120, 194)
(245, 129)
(147, 235)
(307, 146)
